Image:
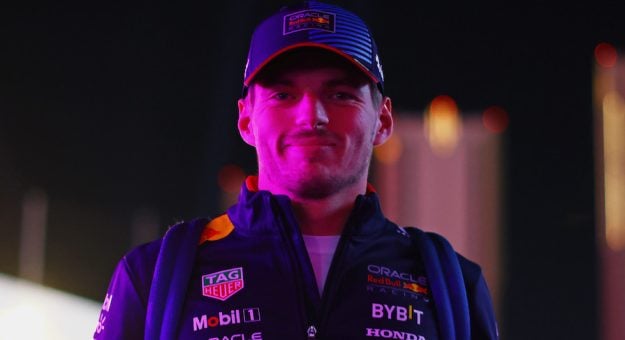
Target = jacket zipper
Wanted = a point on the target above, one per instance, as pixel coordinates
(331, 283)
(303, 273)
(331, 280)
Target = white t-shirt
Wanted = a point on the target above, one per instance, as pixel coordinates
(321, 250)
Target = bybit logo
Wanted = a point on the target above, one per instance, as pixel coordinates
(399, 313)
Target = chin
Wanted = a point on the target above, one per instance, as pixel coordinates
(318, 186)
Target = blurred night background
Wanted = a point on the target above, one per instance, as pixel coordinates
(121, 117)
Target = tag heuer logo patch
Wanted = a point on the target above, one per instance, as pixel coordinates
(222, 285)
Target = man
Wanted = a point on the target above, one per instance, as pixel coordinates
(306, 251)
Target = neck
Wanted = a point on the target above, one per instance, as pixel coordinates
(321, 216)
(326, 216)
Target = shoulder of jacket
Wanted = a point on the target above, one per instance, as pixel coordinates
(145, 255)
(469, 268)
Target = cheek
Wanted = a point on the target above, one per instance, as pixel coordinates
(362, 130)
(267, 134)
(262, 124)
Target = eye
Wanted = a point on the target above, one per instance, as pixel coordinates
(343, 96)
(281, 96)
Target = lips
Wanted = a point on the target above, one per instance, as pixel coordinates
(309, 142)
(310, 139)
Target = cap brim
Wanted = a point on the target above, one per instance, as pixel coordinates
(278, 53)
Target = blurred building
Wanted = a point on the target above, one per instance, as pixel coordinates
(444, 173)
(609, 99)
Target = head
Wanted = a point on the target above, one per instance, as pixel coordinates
(312, 111)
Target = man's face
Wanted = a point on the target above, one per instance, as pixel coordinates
(313, 129)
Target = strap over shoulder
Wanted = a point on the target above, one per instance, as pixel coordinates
(171, 277)
(446, 283)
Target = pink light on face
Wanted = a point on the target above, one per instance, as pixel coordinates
(495, 119)
(605, 54)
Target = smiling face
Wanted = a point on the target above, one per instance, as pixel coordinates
(313, 125)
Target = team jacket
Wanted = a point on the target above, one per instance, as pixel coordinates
(252, 279)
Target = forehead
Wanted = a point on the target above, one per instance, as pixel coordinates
(311, 60)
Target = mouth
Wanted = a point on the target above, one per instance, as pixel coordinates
(310, 140)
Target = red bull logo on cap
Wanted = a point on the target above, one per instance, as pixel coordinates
(223, 284)
(309, 19)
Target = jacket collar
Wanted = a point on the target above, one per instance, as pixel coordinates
(260, 211)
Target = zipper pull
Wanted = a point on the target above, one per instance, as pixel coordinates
(312, 332)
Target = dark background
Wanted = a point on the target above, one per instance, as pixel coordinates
(114, 108)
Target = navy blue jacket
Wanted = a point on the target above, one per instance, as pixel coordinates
(251, 278)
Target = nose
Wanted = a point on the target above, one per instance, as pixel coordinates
(311, 112)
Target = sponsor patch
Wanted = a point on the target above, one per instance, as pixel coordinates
(223, 284)
(379, 65)
(241, 336)
(415, 287)
(308, 20)
(100, 327)
(391, 334)
(398, 313)
(106, 306)
(379, 289)
(107, 302)
(390, 280)
(390, 273)
(232, 317)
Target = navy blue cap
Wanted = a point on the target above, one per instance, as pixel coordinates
(314, 24)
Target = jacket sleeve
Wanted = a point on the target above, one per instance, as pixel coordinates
(123, 311)
(483, 323)
(125, 304)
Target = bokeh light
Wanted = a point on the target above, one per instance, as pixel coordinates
(614, 169)
(495, 119)
(230, 177)
(389, 152)
(605, 54)
(443, 125)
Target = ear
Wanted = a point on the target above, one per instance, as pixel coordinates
(385, 122)
(244, 123)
